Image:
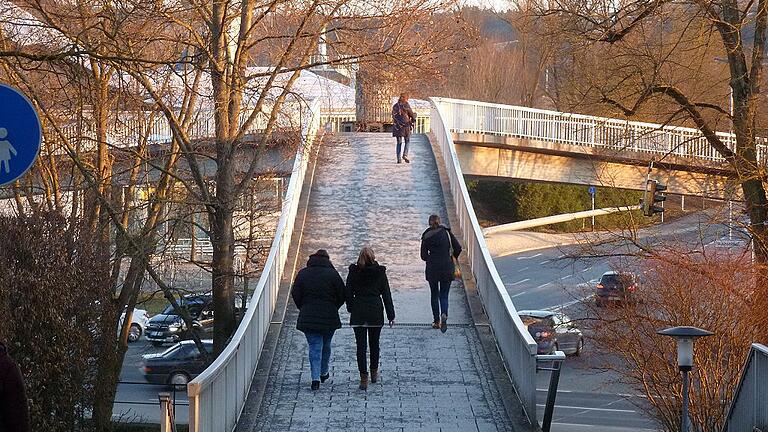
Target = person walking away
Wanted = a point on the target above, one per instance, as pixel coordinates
(439, 247)
(14, 412)
(318, 292)
(403, 119)
(367, 286)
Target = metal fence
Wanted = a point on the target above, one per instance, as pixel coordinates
(516, 345)
(749, 408)
(217, 396)
(336, 120)
(464, 116)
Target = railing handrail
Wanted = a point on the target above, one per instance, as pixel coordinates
(755, 350)
(598, 119)
(282, 234)
(475, 243)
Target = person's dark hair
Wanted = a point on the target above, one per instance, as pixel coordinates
(366, 257)
(403, 97)
(434, 221)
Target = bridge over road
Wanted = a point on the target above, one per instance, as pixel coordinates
(430, 381)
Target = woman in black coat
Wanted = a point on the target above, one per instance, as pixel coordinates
(367, 286)
(318, 292)
(437, 244)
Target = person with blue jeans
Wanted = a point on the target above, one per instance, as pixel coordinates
(403, 120)
(438, 245)
(318, 292)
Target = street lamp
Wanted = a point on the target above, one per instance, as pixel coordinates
(684, 336)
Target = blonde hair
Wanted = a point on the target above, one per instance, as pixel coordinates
(366, 257)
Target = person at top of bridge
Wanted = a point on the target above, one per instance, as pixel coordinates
(440, 249)
(367, 287)
(318, 292)
(403, 119)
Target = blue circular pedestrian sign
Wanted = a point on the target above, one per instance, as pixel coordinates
(20, 134)
(592, 190)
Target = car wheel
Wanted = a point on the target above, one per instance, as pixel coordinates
(579, 347)
(134, 333)
(178, 378)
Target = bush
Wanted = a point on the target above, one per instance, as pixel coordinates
(505, 202)
(51, 276)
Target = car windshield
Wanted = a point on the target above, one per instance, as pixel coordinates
(614, 280)
(531, 320)
(194, 308)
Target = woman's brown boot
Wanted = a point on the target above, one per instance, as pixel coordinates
(374, 375)
(363, 381)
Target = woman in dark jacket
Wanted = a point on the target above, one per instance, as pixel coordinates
(367, 286)
(318, 292)
(437, 244)
(403, 119)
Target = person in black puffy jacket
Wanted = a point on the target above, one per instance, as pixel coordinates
(367, 287)
(14, 412)
(318, 292)
(437, 242)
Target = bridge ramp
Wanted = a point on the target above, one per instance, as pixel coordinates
(429, 381)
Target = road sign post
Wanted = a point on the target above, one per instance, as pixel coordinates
(20, 134)
(592, 191)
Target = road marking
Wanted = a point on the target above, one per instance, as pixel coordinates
(586, 269)
(529, 257)
(543, 285)
(518, 294)
(591, 409)
(522, 269)
(624, 395)
(519, 282)
(565, 277)
(591, 427)
(543, 262)
(593, 281)
(570, 303)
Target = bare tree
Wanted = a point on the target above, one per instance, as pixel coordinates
(663, 59)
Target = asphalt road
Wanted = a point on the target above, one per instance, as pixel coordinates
(587, 398)
(136, 400)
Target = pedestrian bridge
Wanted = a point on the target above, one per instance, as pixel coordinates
(347, 192)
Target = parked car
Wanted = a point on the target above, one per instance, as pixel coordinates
(139, 321)
(553, 331)
(168, 327)
(615, 287)
(177, 365)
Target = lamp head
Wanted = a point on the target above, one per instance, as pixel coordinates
(684, 336)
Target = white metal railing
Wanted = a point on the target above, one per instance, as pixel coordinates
(507, 120)
(217, 396)
(517, 347)
(333, 119)
(749, 408)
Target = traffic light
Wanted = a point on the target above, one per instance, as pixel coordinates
(654, 193)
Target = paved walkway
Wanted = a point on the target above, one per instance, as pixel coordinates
(429, 381)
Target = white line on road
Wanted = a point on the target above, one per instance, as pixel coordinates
(570, 303)
(586, 269)
(591, 409)
(522, 269)
(518, 294)
(543, 262)
(543, 285)
(519, 282)
(590, 428)
(529, 257)
(565, 277)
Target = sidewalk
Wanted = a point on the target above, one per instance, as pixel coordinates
(512, 242)
(429, 381)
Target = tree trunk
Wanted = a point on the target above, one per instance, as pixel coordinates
(223, 241)
(112, 353)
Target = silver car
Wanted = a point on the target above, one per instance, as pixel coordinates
(553, 331)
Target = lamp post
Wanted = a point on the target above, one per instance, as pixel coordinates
(684, 336)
